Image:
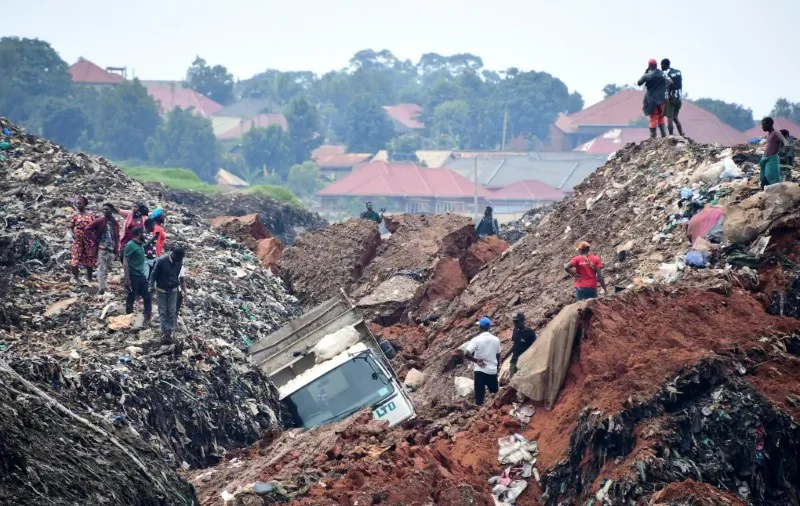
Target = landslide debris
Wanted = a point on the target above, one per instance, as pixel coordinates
(192, 400)
(284, 221)
(51, 455)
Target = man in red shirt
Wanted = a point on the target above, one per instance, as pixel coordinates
(587, 270)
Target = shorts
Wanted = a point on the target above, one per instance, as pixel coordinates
(657, 117)
(671, 109)
(585, 293)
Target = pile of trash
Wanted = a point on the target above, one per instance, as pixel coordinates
(53, 455)
(519, 455)
(193, 399)
(513, 231)
(284, 221)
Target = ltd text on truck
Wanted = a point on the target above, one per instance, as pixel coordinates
(327, 365)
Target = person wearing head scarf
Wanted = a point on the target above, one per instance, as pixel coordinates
(82, 251)
(159, 218)
(587, 269)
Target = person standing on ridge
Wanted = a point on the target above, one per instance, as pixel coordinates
(655, 83)
(770, 162)
(488, 225)
(105, 243)
(165, 279)
(587, 269)
(522, 338)
(371, 215)
(484, 351)
(82, 252)
(135, 282)
(674, 95)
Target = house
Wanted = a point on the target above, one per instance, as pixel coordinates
(229, 181)
(405, 118)
(171, 97)
(233, 129)
(780, 124)
(87, 73)
(408, 188)
(433, 159)
(561, 171)
(334, 163)
(523, 195)
(624, 108)
(613, 140)
(248, 108)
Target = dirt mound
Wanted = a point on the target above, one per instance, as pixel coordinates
(190, 400)
(481, 253)
(247, 229)
(692, 493)
(269, 251)
(321, 263)
(282, 220)
(50, 455)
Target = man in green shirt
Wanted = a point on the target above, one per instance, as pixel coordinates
(371, 215)
(135, 282)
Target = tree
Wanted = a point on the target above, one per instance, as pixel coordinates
(62, 121)
(368, 126)
(186, 140)
(403, 149)
(128, 116)
(267, 148)
(304, 179)
(533, 100)
(303, 119)
(451, 122)
(214, 82)
(31, 71)
(734, 115)
(613, 89)
(788, 110)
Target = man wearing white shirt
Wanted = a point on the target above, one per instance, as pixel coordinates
(484, 351)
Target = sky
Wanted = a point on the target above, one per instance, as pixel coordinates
(726, 49)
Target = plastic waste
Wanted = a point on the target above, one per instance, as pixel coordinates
(731, 170)
(333, 344)
(695, 259)
(464, 386)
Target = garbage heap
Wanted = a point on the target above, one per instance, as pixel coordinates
(52, 455)
(515, 230)
(410, 275)
(190, 401)
(283, 221)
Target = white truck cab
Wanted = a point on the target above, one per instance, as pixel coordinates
(317, 392)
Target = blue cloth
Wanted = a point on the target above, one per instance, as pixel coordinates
(695, 259)
(156, 213)
(485, 322)
(585, 293)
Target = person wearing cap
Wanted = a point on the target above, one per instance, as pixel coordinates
(587, 269)
(674, 95)
(488, 224)
(371, 215)
(656, 84)
(522, 339)
(484, 351)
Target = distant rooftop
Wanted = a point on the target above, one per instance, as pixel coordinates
(85, 72)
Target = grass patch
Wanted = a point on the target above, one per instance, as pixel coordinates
(279, 193)
(176, 179)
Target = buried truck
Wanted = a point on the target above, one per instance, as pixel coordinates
(327, 365)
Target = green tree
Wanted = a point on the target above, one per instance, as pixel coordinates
(30, 71)
(62, 121)
(128, 116)
(304, 179)
(788, 110)
(304, 137)
(186, 140)
(613, 89)
(267, 148)
(368, 126)
(733, 115)
(214, 82)
(451, 123)
(534, 100)
(403, 149)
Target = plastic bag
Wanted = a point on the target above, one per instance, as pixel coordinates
(464, 386)
(333, 344)
(732, 170)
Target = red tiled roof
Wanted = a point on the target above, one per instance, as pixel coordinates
(86, 72)
(185, 98)
(327, 151)
(406, 114)
(382, 179)
(260, 121)
(625, 107)
(613, 140)
(342, 160)
(527, 190)
(780, 124)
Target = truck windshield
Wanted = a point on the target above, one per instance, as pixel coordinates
(339, 393)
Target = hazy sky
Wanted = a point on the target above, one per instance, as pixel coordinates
(726, 49)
